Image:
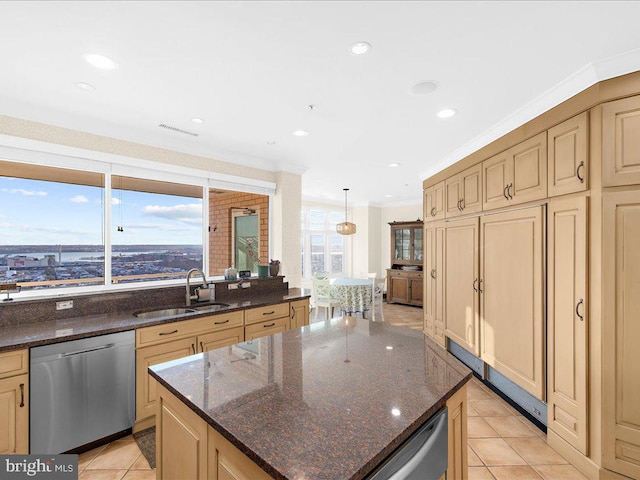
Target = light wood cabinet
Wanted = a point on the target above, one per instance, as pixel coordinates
(226, 462)
(517, 175)
(458, 463)
(268, 327)
(462, 283)
(181, 440)
(512, 296)
(567, 320)
(14, 402)
(406, 243)
(621, 353)
(14, 415)
(153, 355)
(621, 142)
(223, 338)
(434, 285)
(434, 202)
(299, 313)
(268, 312)
(463, 192)
(568, 148)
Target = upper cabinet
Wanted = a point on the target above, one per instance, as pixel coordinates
(517, 175)
(621, 142)
(406, 243)
(567, 156)
(463, 192)
(434, 202)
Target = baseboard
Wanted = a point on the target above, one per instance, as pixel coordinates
(585, 465)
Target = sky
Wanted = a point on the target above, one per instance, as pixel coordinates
(34, 212)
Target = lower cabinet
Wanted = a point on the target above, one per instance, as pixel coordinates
(404, 287)
(14, 402)
(434, 284)
(223, 338)
(268, 327)
(458, 464)
(14, 415)
(299, 313)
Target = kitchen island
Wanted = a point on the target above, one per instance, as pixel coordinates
(328, 401)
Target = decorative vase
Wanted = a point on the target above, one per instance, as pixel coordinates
(274, 269)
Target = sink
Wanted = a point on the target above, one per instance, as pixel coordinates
(211, 307)
(167, 312)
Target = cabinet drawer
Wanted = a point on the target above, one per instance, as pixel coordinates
(213, 323)
(14, 363)
(268, 327)
(211, 341)
(162, 333)
(255, 315)
(404, 274)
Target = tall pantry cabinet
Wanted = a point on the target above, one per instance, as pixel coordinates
(553, 262)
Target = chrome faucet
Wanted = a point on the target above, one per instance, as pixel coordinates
(204, 284)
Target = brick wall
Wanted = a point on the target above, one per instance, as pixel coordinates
(220, 205)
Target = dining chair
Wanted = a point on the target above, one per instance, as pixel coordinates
(377, 297)
(322, 294)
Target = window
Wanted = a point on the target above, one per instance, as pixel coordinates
(54, 232)
(323, 250)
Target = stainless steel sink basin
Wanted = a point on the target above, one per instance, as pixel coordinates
(166, 312)
(211, 307)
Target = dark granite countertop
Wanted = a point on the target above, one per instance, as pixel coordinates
(328, 401)
(24, 333)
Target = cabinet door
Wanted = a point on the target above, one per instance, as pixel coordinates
(460, 280)
(471, 189)
(148, 356)
(182, 440)
(14, 415)
(567, 156)
(457, 450)
(299, 313)
(496, 175)
(620, 333)
(434, 203)
(529, 179)
(223, 338)
(567, 320)
(418, 244)
(401, 238)
(226, 462)
(512, 296)
(621, 142)
(452, 196)
(399, 289)
(268, 327)
(415, 291)
(439, 286)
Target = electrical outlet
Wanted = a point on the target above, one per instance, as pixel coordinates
(64, 305)
(232, 286)
(246, 285)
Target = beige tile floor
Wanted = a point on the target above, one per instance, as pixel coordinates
(503, 445)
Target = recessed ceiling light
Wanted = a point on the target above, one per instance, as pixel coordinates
(360, 48)
(388, 196)
(197, 120)
(301, 133)
(85, 86)
(394, 164)
(424, 88)
(271, 142)
(100, 61)
(446, 113)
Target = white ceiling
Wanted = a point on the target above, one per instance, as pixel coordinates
(250, 69)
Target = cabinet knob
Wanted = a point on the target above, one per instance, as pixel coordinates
(581, 178)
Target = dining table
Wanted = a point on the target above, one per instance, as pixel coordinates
(354, 294)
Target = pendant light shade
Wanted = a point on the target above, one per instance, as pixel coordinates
(346, 228)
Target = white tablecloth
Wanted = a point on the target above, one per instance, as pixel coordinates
(354, 294)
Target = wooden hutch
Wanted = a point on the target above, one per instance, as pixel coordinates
(404, 278)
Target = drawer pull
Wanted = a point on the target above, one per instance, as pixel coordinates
(581, 165)
(168, 333)
(21, 395)
(201, 347)
(509, 187)
(269, 313)
(221, 323)
(270, 325)
(193, 347)
(504, 192)
(475, 289)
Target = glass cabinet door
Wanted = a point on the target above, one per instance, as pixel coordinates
(417, 244)
(402, 244)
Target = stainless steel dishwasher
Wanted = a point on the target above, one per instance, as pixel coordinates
(423, 456)
(81, 391)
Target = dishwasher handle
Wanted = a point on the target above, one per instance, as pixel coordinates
(80, 352)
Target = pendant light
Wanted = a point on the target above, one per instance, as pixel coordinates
(346, 228)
